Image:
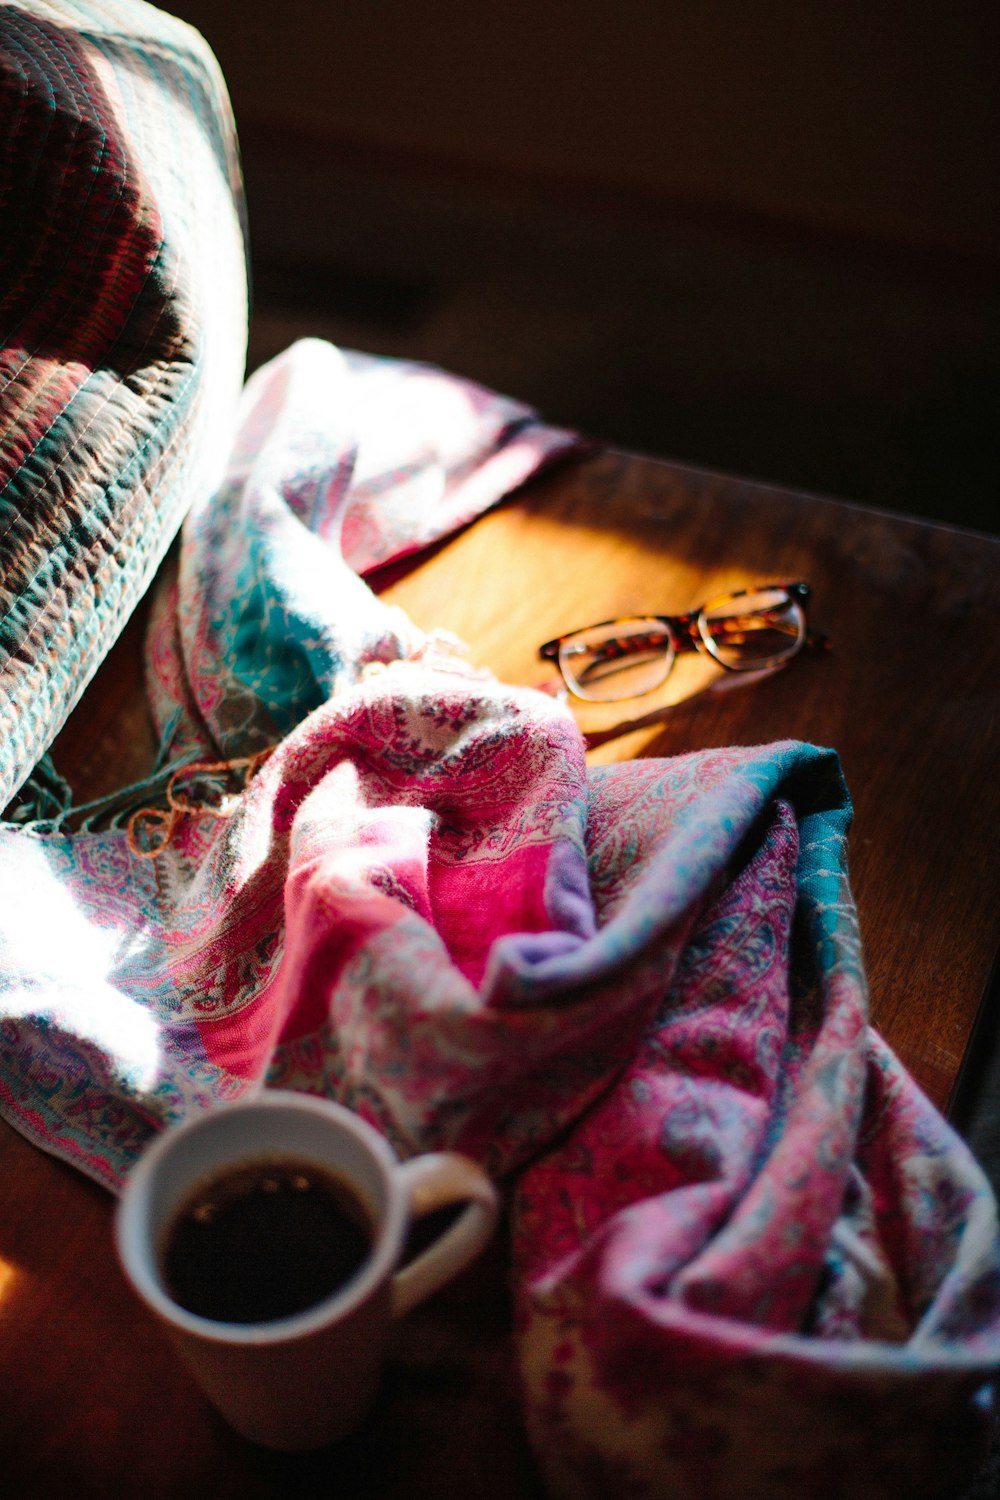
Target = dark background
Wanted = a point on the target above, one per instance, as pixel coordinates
(761, 238)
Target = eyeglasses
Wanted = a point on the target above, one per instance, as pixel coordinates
(747, 631)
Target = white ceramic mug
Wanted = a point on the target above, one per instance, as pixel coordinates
(300, 1381)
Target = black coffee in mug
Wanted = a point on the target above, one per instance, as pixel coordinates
(264, 1239)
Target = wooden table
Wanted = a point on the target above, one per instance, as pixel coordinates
(91, 1401)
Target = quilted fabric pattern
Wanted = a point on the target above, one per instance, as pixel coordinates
(123, 296)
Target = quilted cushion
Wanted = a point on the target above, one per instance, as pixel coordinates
(123, 318)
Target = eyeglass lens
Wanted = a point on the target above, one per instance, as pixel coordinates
(755, 630)
(619, 660)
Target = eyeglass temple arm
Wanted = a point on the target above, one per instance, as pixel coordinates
(686, 636)
(685, 627)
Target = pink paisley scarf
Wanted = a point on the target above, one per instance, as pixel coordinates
(750, 1259)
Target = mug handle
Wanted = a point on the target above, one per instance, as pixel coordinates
(433, 1181)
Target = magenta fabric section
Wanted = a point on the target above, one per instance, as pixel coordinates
(749, 1258)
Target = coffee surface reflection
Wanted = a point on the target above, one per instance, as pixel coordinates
(263, 1240)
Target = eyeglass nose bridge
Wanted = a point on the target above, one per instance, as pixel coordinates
(684, 631)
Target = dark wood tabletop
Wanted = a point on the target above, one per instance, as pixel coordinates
(92, 1402)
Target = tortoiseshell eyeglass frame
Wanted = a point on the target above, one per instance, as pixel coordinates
(688, 632)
